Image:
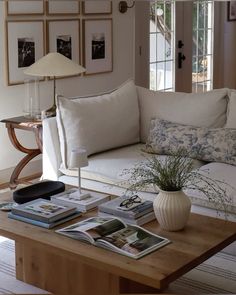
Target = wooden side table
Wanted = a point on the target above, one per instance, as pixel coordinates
(28, 125)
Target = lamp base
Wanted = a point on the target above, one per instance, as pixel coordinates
(80, 196)
(51, 112)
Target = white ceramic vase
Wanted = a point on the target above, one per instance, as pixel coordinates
(172, 210)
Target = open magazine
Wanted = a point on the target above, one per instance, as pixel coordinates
(115, 235)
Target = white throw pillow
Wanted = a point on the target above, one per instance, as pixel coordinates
(98, 123)
(203, 109)
(231, 118)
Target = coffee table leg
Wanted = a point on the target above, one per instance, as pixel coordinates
(60, 275)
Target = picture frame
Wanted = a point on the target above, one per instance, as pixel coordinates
(24, 46)
(96, 7)
(63, 36)
(63, 7)
(97, 46)
(231, 11)
(25, 7)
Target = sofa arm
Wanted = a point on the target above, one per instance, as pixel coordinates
(51, 150)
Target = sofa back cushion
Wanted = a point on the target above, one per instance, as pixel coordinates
(201, 143)
(231, 111)
(98, 123)
(203, 109)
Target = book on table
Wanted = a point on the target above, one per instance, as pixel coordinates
(43, 210)
(113, 234)
(45, 224)
(137, 221)
(68, 198)
(134, 212)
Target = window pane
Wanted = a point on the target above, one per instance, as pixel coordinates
(160, 76)
(168, 47)
(168, 75)
(153, 48)
(161, 17)
(153, 84)
(160, 47)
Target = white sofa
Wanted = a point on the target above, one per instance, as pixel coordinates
(114, 127)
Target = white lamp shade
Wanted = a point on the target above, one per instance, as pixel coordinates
(78, 158)
(54, 65)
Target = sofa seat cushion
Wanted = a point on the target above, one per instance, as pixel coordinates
(218, 171)
(206, 144)
(107, 167)
(196, 109)
(98, 123)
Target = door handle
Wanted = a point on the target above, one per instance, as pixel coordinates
(180, 44)
(181, 58)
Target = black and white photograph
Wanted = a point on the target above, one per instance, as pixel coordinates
(231, 10)
(98, 46)
(25, 45)
(64, 45)
(26, 52)
(63, 36)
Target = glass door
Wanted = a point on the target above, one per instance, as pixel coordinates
(181, 59)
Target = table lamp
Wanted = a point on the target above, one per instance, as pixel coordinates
(79, 159)
(54, 65)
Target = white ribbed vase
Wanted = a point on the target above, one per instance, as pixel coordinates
(172, 210)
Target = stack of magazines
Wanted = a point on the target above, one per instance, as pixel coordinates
(131, 210)
(44, 213)
(115, 235)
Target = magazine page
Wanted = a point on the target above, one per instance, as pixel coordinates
(92, 228)
(132, 241)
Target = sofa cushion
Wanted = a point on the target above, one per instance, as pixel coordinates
(203, 109)
(212, 145)
(107, 167)
(99, 123)
(231, 111)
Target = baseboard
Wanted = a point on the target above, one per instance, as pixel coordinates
(32, 168)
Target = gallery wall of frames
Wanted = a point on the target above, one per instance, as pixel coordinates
(80, 30)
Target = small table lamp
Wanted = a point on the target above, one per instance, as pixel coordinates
(54, 65)
(79, 159)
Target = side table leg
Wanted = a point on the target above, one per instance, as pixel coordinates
(31, 153)
(19, 167)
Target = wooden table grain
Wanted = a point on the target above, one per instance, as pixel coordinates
(66, 266)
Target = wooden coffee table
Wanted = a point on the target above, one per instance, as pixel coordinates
(65, 266)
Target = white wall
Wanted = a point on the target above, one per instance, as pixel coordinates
(12, 97)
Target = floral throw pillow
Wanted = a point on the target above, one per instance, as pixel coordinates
(213, 145)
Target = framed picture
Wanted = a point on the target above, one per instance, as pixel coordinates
(25, 45)
(97, 7)
(62, 7)
(231, 10)
(25, 7)
(97, 45)
(63, 37)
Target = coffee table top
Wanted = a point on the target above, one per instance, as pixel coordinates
(202, 238)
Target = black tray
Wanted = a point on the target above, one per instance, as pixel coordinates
(43, 190)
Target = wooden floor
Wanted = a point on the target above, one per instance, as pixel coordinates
(25, 180)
